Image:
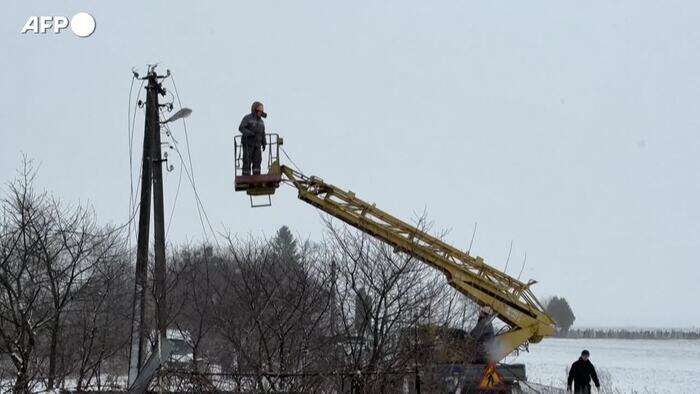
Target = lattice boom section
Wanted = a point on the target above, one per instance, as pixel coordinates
(513, 299)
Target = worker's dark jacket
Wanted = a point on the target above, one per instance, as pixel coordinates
(581, 373)
(253, 129)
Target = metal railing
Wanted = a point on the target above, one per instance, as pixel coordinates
(272, 152)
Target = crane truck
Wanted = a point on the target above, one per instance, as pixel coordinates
(507, 298)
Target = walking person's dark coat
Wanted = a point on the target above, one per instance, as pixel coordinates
(581, 373)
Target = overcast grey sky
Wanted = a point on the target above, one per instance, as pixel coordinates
(568, 127)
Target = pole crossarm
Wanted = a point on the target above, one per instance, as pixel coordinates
(512, 300)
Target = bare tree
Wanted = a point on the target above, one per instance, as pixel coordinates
(387, 304)
(71, 251)
(272, 313)
(25, 304)
(97, 324)
(49, 253)
(350, 313)
(192, 295)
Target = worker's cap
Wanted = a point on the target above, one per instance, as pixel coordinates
(585, 353)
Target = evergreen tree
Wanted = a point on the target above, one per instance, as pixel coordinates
(285, 246)
(560, 311)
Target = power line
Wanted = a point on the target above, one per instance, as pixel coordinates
(179, 182)
(198, 202)
(131, 124)
(131, 165)
(187, 141)
(291, 161)
(172, 210)
(133, 206)
(190, 171)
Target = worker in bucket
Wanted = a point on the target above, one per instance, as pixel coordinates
(581, 373)
(253, 129)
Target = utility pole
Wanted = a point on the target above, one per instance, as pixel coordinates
(139, 325)
(140, 374)
(158, 211)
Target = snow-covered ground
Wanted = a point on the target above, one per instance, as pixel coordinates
(624, 365)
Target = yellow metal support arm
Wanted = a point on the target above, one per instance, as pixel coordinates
(512, 300)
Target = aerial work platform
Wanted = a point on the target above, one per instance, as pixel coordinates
(265, 183)
(506, 297)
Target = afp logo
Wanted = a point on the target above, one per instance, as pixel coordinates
(82, 24)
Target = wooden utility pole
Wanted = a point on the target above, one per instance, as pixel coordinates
(158, 211)
(151, 181)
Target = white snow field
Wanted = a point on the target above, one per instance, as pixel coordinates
(623, 365)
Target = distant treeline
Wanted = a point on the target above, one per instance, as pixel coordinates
(617, 333)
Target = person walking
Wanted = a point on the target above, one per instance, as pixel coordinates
(581, 373)
(253, 141)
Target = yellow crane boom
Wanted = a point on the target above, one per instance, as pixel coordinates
(512, 300)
